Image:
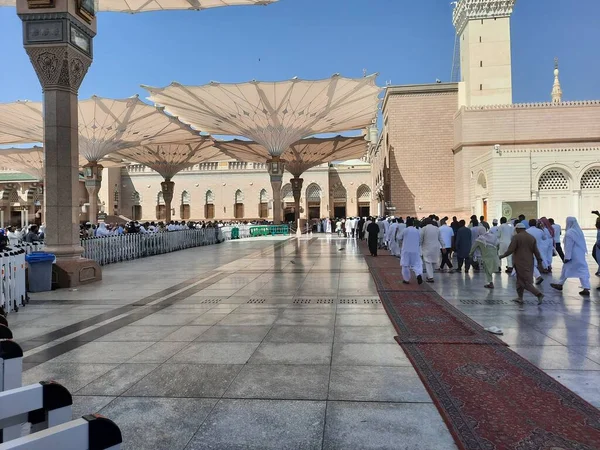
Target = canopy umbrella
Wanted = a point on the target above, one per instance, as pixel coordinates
(274, 114)
(300, 156)
(170, 159)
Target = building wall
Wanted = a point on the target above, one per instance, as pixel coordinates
(419, 137)
(224, 179)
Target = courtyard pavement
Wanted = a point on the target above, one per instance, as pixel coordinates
(274, 343)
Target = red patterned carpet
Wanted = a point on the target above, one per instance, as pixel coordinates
(490, 397)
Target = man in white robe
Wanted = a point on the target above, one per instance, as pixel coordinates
(575, 265)
(328, 226)
(431, 243)
(540, 239)
(410, 259)
(392, 239)
(348, 226)
(505, 234)
(381, 235)
(386, 228)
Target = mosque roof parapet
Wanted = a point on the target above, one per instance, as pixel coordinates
(465, 10)
(534, 105)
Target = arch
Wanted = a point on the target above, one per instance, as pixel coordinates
(209, 205)
(363, 193)
(263, 196)
(13, 197)
(553, 179)
(590, 180)
(185, 205)
(287, 195)
(239, 196)
(136, 198)
(313, 193)
(238, 207)
(482, 181)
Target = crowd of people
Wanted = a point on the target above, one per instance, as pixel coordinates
(434, 244)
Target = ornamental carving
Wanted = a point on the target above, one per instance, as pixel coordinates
(466, 10)
(59, 67)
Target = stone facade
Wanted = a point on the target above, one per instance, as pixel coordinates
(231, 190)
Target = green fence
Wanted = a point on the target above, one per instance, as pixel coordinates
(269, 230)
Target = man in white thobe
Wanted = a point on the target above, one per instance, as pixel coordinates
(575, 265)
(392, 238)
(410, 259)
(431, 243)
(505, 234)
(381, 236)
(348, 226)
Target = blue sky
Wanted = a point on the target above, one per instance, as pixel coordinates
(404, 41)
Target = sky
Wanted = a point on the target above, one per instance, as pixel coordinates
(405, 41)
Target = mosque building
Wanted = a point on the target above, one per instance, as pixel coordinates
(464, 148)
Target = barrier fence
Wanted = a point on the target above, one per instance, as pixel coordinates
(112, 249)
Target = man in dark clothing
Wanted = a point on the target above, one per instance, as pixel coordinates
(359, 226)
(373, 230)
(454, 225)
(484, 223)
(462, 244)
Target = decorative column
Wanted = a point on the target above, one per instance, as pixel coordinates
(297, 192)
(58, 38)
(168, 187)
(275, 167)
(92, 173)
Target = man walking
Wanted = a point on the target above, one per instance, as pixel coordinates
(410, 259)
(505, 234)
(373, 232)
(431, 243)
(447, 234)
(557, 232)
(575, 265)
(462, 246)
(524, 249)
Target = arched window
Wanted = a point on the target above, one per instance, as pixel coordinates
(209, 205)
(287, 195)
(339, 193)
(239, 204)
(14, 196)
(135, 197)
(185, 205)
(553, 180)
(263, 204)
(482, 181)
(591, 179)
(313, 193)
(339, 201)
(363, 193)
(161, 211)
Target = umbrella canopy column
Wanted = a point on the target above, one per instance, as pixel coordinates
(61, 65)
(168, 188)
(92, 173)
(297, 192)
(275, 166)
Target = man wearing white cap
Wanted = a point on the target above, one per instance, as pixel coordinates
(524, 249)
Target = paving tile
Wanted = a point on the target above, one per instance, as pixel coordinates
(385, 426)
(262, 424)
(353, 354)
(365, 334)
(168, 319)
(158, 423)
(118, 380)
(248, 319)
(185, 380)
(283, 333)
(291, 353)
(84, 405)
(363, 320)
(107, 352)
(216, 353)
(281, 382)
(209, 319)
(307, 320)
(187, 333)
(583, 382)
(234, 333)
(556, 358)
(159, 352)
(151, 333)
(73, 376)
(376, 384)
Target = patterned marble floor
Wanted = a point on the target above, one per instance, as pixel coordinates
(262, 343)
(274, 343)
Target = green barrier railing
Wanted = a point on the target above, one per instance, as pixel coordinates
(269, 230)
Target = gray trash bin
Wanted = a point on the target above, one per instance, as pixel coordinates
(40, 271)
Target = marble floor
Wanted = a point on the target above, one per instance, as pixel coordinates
(274, 343)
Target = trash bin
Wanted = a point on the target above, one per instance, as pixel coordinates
(40, 271)
(235, 233)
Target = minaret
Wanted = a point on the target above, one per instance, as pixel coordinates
(556, 90)
(483, 28)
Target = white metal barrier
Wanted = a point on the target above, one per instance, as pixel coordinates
(44, 405)
(89, 432)
(12, 278)
(11, 365)
(112, 249)
(244, 231)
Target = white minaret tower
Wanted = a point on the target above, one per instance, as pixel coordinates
(556, 89)
(483, 28)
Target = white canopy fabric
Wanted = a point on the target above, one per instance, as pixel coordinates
(24, 160)
(274, 114)
(137, 6)
(105, 125)
(170, 159)
(301, 155)
(31, 161)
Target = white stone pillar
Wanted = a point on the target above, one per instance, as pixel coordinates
(2, 218)
(275, 167)
(92, 173)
